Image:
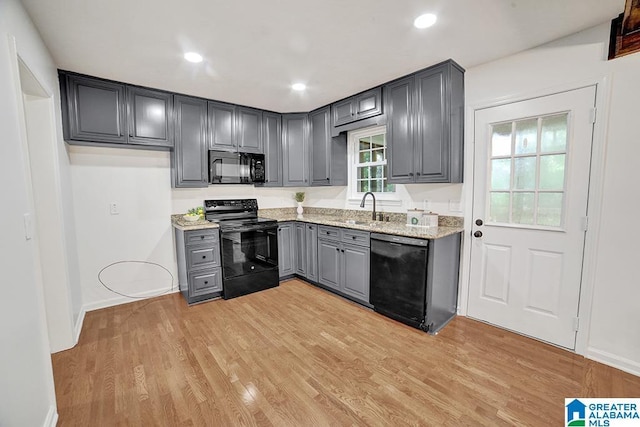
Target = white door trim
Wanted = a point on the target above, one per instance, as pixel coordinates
(594, 209)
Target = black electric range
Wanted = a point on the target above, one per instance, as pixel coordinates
(249, 246)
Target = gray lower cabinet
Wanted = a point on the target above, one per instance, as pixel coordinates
(328, 155)
(199, 269)
(311, 251)
(306, 250)
(343, 261)
(295, 154)
(300, 246)
(104, 112)
(425, 115)
(286, 261)
(189, 157)
(272, 144)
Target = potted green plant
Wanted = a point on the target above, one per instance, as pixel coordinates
(299, 197)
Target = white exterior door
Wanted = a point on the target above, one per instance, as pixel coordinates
(531, 185)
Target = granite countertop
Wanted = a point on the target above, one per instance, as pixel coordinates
(180, 223)
(345, 219)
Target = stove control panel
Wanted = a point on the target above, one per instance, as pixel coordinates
(237, 205)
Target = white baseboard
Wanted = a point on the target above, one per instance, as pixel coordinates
(78, 325)
(96, 305)
(52, 417)
(627, 365)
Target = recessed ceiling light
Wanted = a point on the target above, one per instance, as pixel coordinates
(298, 86)
(193, 57)
(425, 21)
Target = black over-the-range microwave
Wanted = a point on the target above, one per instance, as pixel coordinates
(235, 168)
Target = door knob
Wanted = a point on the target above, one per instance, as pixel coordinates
(477, 234)
(479, 222)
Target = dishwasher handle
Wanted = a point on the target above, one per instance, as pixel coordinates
(401, 240)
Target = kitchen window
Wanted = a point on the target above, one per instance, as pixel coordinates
(368, 171)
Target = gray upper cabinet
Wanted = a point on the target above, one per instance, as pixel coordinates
(94, 111)
(249, 126)
(150, 121)
(234, 128)
(328, 162)
(425, 125)
(272, 140)
(399, 106)
(222, 126)
(295, 156)
(189, 157)
(103, 112)
(362, 106)
(320, 144)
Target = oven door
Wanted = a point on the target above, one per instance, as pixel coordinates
(249, 259)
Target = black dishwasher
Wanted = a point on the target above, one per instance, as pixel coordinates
(412, 285)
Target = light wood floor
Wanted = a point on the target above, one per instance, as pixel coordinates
(296, 355)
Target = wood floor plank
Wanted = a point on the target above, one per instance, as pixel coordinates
(296, 355)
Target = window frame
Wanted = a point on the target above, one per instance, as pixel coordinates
(355, 197)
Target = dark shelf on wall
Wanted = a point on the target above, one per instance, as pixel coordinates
(625, 31)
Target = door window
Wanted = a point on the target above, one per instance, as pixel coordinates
(527, 172)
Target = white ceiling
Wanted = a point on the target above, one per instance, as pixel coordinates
(255, 49)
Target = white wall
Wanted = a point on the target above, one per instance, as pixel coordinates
(27, 395)
(571, 62)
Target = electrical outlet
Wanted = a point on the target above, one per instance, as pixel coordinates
(28, 227)
(113, 208)
(426, 205)
(454, 206)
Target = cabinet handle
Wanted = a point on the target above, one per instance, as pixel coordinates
(328, 179)
(338, 249)
(342, 250)
(410, 173)
(204, 257)
(418, 173)
(328, 233)
(206, 282)
(202, 237)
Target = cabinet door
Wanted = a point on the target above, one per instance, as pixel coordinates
(150, 117)
(329, 259)
(294, 150)
(432, 145)
(299, 236)
(285, 250)
(355, 272)
(311, 241)
(398, 98)
(205, 282)
(249, 130)
(368, 104)
(189, 157)
(222, 127)
(343, 112)
(96, 110)
(272, 143)
(320, 147)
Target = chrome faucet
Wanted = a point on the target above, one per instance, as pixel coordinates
(373, 214)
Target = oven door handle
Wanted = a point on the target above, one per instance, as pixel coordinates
(245, 228)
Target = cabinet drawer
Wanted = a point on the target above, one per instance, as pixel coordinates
(198, 237)
(202, 256)
(325, 232)
(205, 282)
(356, 237)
